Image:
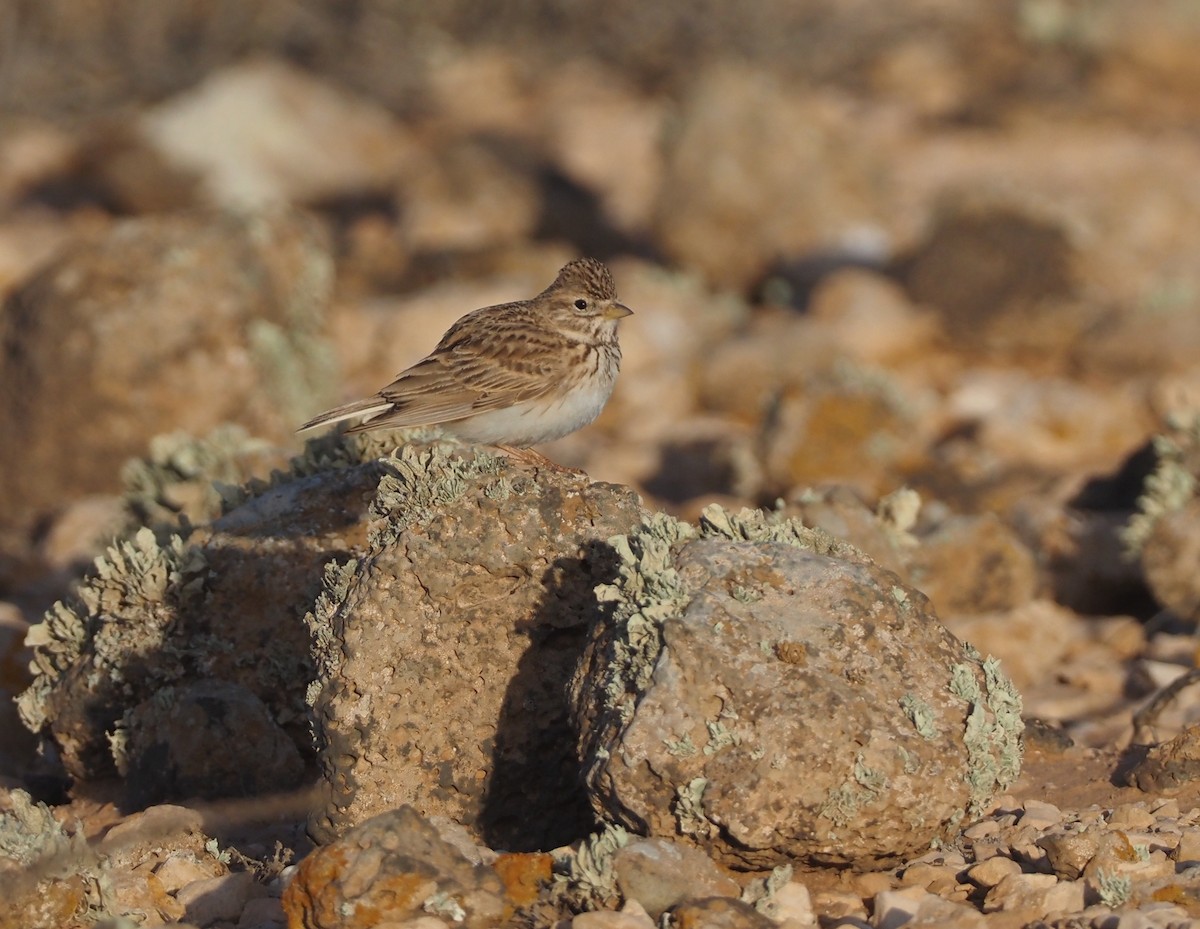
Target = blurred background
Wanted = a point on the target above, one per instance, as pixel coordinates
(937, 244)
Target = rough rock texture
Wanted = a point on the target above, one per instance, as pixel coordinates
(123, 336)
(772, 695)
(659, 873)
(442, 653)
(164, 746)
(1169, 764)
(226, 604)
(391, 868)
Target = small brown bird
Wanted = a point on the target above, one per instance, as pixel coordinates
(511, 375)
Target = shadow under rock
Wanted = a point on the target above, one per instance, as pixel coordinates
(535, 798)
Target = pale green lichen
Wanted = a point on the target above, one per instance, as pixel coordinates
(648, 591)
(334, 586)
(443, 903)
(1174, 482)
(758, 526)
(133, 579)
(842, 803)
(681, 748)
(329, 452)
(744, 594)
(992, 735)
(186, 480)
(871, 779)
(720, 736)
(921, 715)
(298, 368)
(1114, 889)
(418, 482)
(688, 809)
(760, 892)
(588, 875)
(30, 835)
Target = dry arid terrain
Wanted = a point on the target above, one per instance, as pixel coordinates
(870, 599)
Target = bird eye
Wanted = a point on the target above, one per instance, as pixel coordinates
(581, 304)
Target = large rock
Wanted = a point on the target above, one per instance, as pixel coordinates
(162, 324)
(773, 695)
(160, 614)
(443, 652)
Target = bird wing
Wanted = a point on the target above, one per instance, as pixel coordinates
(474, 369)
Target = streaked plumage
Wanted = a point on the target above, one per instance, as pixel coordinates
(515, 374)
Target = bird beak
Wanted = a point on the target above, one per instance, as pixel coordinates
(617, 311)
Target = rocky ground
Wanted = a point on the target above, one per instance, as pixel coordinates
(918, 284)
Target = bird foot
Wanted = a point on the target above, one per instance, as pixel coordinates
(535, 458)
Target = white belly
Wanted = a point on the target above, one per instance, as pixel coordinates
(534, 422)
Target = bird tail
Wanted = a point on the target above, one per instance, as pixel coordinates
(367, 407)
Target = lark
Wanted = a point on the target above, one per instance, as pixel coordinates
(512, 375)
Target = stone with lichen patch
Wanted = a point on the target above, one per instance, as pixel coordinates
(226, 604)
(390, 869)
(772, 695)
(47, 874)
(1165, 532)
(442, 653)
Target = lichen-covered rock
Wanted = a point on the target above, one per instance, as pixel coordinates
(1165, 532)
(1171, 561)
(773, 695)
(47, 874)
(1173, 483)
(166, 323)
(390, 869)
(185, 480)
(442, 653)
(227, 604)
